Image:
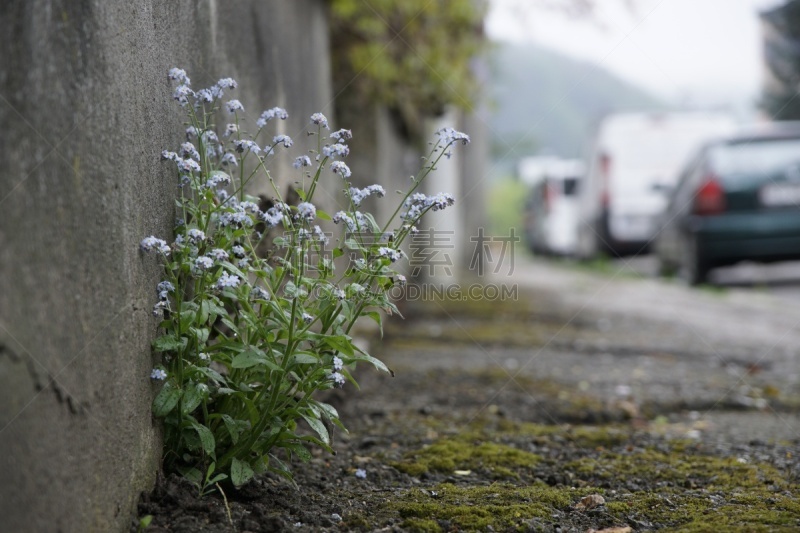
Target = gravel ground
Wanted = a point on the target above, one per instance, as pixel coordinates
(678, 408)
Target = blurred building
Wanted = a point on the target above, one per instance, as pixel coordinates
(780, 28)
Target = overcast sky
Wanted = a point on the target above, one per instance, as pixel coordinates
(691, 52)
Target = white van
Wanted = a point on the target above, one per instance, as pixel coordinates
(633, 165)
(551, 209)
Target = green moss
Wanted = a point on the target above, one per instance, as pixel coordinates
(686, 490)
(501, 506)
(421, 525)
(465, 453)
(695, 492)
(593, 437)
(676, 468)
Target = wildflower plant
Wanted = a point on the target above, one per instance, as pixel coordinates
(250, 338)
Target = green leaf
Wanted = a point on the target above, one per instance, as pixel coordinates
(329, 410)
(187, 318)
(376, 316)
(230, 268)
(144, 522)
(323, 215)
(230, 294)
(191, 440)
(241, 472)
(166, 400)
(215, 308)
(201, 334)
(319, 427)
(337, 252)
(305, 358)
(373, 224)
(169, 343)
(299, 450)
(290, 289)
(216, 479)
(341, 343)
(192, 474)
(253, 357)
(279, 467)
(206, 438)
(191, 399)
(352, 244)
(228, 322)
(377, 363)
(205, 309)
(232, 427)
(211, 374)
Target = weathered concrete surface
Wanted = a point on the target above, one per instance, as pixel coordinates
(85, 108)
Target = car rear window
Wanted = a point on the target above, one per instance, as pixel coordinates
(570, 186)
(758, 157)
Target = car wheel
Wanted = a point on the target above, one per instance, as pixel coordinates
(694, 266)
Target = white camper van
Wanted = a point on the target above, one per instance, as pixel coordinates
(633, 165)
(551, 209)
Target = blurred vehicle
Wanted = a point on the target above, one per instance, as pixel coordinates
(737, 199)
(633, 165)
(551, 211)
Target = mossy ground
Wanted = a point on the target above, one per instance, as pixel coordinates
(491, 480)
(462, 449)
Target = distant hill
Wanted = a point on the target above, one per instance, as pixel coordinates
(554, 99)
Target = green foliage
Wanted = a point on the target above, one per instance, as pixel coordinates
(505, 206)
(144, 523)
(411, 55)
(252, 329)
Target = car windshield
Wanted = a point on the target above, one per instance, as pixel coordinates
(760, 157)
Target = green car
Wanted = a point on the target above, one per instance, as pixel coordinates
(737, 200)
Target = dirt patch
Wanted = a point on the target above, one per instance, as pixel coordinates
(462, 439)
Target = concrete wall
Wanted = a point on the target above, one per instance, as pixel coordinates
(85, 111)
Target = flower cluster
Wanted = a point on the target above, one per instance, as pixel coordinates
(358, 195)
(183, 92)
(339, 167)
(307, 211)
(417, 204)
(302, 161)
(356, 222)
(390, 253)
(269, 114)
(320, 120)
(335, 150)
(449, 136)
(249, 338)
(151, 243)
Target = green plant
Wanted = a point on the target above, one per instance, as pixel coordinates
(144, 523)
(414, 56)
(249, 338)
